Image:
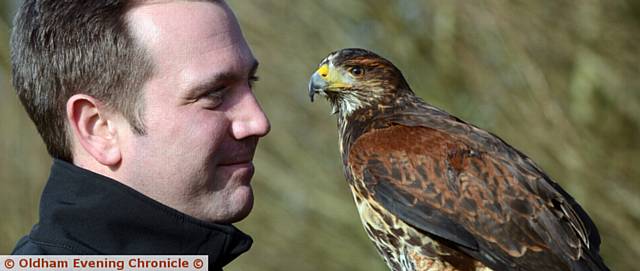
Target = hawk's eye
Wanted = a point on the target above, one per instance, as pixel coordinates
(356, 71)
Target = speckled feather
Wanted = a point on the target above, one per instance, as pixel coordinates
(436, 193)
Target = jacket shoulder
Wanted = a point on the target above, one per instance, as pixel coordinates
(28, 246)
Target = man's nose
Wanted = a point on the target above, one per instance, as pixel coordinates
(249, 119)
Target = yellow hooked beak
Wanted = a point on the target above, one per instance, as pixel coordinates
(327, 78)
(318, 82)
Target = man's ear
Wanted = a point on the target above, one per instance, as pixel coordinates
(94, 129)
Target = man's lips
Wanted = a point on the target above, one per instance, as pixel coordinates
(237, 172)
(236, 163)
(237, 154)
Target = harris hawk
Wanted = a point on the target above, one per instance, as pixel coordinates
(437, 193)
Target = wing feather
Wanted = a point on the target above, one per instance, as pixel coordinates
(494, 205)
(398, 201)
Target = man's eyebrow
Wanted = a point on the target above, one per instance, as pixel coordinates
(217, 79)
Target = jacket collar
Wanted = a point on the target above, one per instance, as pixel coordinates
(93, 214)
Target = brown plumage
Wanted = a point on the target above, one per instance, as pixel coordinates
(437, 193)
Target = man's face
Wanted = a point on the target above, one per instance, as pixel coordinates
(201, 118)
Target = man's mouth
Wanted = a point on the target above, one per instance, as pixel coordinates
(237, 154)
(239, 171)
(238, 159)
(236, 163)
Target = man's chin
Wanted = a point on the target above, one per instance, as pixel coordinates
(245, 210)
(235, 208)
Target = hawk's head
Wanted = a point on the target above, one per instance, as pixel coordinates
(355, 78)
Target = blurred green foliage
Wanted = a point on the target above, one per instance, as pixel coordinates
(559, 80)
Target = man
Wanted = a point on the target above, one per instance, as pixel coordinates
(147, 109)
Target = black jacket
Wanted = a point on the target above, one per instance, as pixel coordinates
(82, 212)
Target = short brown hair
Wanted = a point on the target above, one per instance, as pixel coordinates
(62, 48)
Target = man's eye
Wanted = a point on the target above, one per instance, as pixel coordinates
(213, 98)
(252, 80)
